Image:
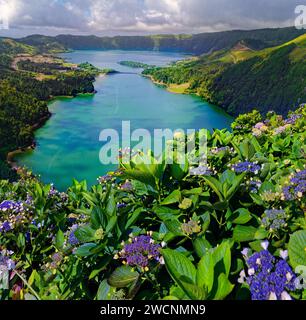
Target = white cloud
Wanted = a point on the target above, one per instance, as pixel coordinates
(147, 16)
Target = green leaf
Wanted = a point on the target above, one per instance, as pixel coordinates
(241, 216)
(222, 258)
(21, 241)
(85, 250)
(59, 239)
(235, 185)
(85, 234)
(122, 277)
(174, 197)
(215, 185)
(261, 234)
(174, 226)
(244, 233)
(181, 270)
(104, 291)
(194, 291)
(134, 217)
(111, 205)
(205, 272)
(224, 287)
(297, 249)
(144, 177)
(98, 218)
(165, 213)
(201, 246)
(206, 221)
(101, 266)
(179, 171)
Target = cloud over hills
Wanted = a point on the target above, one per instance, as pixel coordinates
(145, 16)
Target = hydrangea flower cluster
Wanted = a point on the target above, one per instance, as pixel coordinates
(268, 277)
(55, 193)
(105, 178)
(254, 185)
(6, 263)
(201, 171)
(14, 213)
(270, 196)
(217, 151)
(191, 227)
(297, 187)
(259, 129)
(140, 251)
(274, 219)
(121, 205)
(72, 239)
(281, 129)
(293, 119)
(249, 167)
(127, 186)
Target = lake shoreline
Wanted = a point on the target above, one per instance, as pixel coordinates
(68, 146)
(12, 154)
(176, 89)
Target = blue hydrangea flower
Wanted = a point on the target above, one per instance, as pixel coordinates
(140, 251)
(293, 119)
(249, 167)
(72, 239)
(7, 205)
(6, 226)
(274, 219)
(297, 187)
(127, 186)
(6, 261)
(269, 278)
(121, 205)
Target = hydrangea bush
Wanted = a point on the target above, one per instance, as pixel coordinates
(234, 229)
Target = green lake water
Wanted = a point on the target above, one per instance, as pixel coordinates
(68, 144)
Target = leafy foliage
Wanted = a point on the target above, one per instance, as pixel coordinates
(158, 232)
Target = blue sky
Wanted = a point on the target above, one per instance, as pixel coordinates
(112, 17)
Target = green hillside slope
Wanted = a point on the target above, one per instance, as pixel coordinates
(241, 79)
(195, 44)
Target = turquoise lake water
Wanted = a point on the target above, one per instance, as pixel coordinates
(68, 144)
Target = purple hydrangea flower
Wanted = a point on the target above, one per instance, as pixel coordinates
(269, 278)
(293, 118)
(7, 205)
(297, 187)
(274, 219)
(249, 167)
(6, 261)
(121, 205)
(127, 186)
(105, 179)
(140, 251)
(72, 239)
(6, 227)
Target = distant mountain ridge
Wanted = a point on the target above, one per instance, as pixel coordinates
(196, 44)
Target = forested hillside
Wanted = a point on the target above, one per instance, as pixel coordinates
(27, 82)
(241, 79)
(195, 44)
